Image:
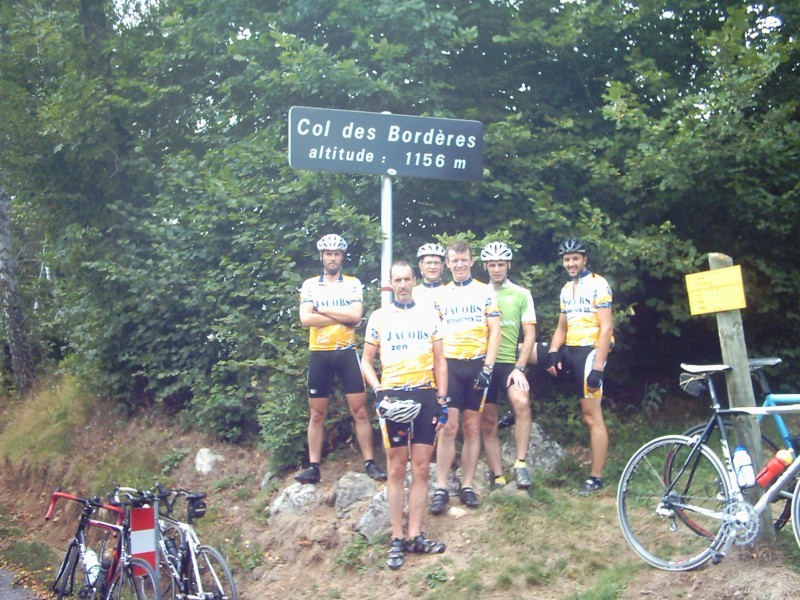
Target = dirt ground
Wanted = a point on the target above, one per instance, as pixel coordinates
(299, 555)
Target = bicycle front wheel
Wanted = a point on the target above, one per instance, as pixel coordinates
(672, 517)
(134, 581)
(65, 580)
(215, 576)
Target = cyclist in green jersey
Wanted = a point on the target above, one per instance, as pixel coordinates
(517, 314)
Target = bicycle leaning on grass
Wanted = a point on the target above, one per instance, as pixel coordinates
(680, 505)
(106, 571)
(196, 571)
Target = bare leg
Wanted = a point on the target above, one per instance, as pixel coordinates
(598, 434)
(520, 402)
(418, 492)
(358, 408)
(471, 449)
(491, 441)
(396, 460)
(316, 427)
(446, 448)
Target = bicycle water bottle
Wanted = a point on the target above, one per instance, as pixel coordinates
(172, 551)
(743, 467)
(92, 564)
(776, 465)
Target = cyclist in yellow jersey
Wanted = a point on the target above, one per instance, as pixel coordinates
(581, 343)
(517, 315)
(431, 263)
(471, 330)
(407, 338)
(331, 305)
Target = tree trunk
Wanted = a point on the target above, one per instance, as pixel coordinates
(21, 363)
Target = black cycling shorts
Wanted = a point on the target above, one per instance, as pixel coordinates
(422, 430)
(323, 365)
(460, 379)
(580, 360)
(499, 379)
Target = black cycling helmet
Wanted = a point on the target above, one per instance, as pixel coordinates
(571, 246)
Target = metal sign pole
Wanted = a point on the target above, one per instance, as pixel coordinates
(386, 248)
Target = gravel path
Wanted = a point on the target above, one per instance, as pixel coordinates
(9, 592)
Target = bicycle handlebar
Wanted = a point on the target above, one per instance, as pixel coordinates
(94, 503)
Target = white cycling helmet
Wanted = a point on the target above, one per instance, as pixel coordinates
(496, 251)
(397, 410)
(431, 250)
(331, 242)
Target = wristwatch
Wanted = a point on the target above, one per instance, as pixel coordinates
(445, 398)
(522, 368)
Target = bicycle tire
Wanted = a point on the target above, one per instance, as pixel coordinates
(134, 581)
(654, 523)
(65, 580)
(796, 512)
(783, 506)
(215, 576)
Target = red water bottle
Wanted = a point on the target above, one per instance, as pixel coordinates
(776, 465)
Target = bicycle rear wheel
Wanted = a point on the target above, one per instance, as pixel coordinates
(135, 581)
(215, 576)
(654, 521)
(781, 506)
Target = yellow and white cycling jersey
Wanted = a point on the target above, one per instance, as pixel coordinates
(464, 309)
(427, 295)
(580, 303)
(343, 292)
(404, 335)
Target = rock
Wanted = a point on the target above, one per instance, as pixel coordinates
(204, 460)
(351, 489)
(543, 453)
(294, 500)
(375, 520)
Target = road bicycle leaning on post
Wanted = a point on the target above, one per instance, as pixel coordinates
(680, 505)
(107, 571)
(188, 569)
(783, 503)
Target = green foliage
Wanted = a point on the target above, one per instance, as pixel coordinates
(358, 555)
(284, 418)
(162, 235)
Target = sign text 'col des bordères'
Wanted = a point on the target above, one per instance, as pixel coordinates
(348, 141)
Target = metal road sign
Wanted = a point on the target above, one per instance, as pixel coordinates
(347, 141)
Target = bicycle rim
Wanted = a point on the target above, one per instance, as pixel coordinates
(135, 581)
(215, 576)
(655, 523)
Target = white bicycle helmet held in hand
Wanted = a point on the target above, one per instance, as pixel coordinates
(397, 410)
(496, 251)
(331, 242)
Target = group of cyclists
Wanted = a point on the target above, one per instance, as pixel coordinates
(447, 354)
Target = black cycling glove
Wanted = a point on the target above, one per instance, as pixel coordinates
(594, 380)
(483, 379)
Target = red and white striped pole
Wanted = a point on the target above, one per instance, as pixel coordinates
(143, 534)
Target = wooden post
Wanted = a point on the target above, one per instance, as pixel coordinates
(740, 391)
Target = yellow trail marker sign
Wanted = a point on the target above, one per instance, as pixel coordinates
(716, 291)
